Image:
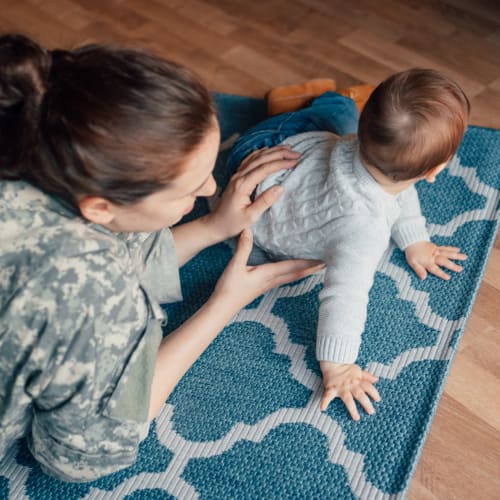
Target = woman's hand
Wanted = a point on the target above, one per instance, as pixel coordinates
(237, 287)
(348, 382)
(425, 256)
(240, 284)
(236, 211)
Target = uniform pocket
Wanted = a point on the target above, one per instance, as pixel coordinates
(131, 396)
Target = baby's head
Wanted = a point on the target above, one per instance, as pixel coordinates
(413, 122)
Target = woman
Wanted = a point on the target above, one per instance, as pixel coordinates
(102, 150)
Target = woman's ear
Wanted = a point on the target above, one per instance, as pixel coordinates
(96, 209)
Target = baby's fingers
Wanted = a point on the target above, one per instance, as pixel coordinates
(445, 262)
(448, 249)
(368, 377)
(365, 402)
(452, 253)
(371, 390)
(350, 404)
(419, 270)
(328, 396)
(437, 271)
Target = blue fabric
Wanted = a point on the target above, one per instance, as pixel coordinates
(330, 112)
(244, 421)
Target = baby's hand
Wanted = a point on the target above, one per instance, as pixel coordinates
(348, 382)
(425, 256)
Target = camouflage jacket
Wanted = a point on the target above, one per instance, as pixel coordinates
(80, 326)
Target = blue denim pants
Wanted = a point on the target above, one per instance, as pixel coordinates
(330, 112)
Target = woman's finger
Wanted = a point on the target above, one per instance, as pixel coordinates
(249, 181)
(264, 201)
(243, 248)
(297, 275)
(291, 270)
(260, 151)
(266, 156)
(283, 267)
(248, 159)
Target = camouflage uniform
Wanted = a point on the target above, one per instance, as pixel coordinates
(80, 326)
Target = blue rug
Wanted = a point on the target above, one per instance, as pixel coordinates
(244, 422)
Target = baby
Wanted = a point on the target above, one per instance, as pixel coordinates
(348, 196)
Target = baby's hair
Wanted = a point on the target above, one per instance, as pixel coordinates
(412, 122)
(98, 120)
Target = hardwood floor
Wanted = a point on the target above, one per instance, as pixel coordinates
(247, 47)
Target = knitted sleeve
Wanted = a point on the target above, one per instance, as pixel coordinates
(410, 226)
(354, 254)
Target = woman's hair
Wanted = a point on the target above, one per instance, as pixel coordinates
(98, 120)
(412, 122)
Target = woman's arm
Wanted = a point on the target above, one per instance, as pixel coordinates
(192, 237)
(238, 286)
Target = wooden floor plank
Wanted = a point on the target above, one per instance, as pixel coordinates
(485, 108)
(269, 71)
(399, 58)
(209, 16)
(483, 404)
(470, 20)
(461, 457)
(66, 12)
(185, 28)
(455, 52)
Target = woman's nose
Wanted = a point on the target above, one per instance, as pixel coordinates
(209, 187)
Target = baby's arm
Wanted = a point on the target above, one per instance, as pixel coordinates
(410, 234)
(354, 253)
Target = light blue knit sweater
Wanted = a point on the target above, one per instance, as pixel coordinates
(334, 210)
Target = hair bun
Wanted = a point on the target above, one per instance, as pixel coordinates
(24, 67)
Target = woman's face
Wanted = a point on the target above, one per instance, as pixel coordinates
(166, 207)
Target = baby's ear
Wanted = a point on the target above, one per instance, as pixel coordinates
(96, 209)
(431, 174)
